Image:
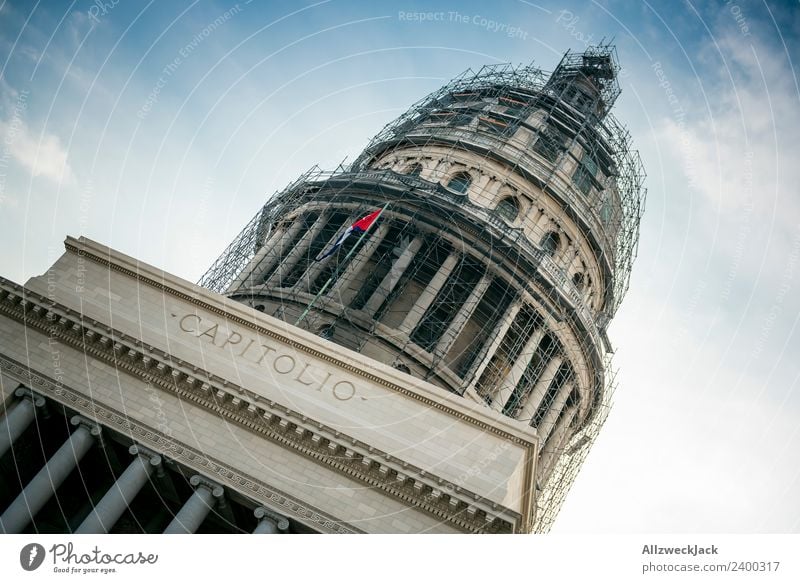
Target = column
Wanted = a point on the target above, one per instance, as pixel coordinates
(266, 255)
(465, 311)
(357, 264)
(391, 279)
(50, 477)
(555, 445)
(269, 522)
(499, 332)
(19, 417)
(316, 267)
(535, 397)
(196, 508)
(429, 294)
(122, 492)
(517, 370)
(546, 425)
(294, 255)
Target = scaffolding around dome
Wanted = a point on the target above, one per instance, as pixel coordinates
(569, 107)
(513, 206)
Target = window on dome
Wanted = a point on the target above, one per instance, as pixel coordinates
(508, 208)
(549, 144)
(585, 174)
(460, 182)
(550, 243)
(326, 332)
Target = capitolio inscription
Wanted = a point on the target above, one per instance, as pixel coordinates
(254, 350)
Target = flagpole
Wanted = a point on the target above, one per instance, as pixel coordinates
(346, 257)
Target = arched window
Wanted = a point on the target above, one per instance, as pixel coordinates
(550, 243)
(550, 143)
(460, 182)
(402, 368)
(259, 307)
(414, 169)
(577, 280)
(585, 174)
(326, 332)
(508, 208)
(606, 213)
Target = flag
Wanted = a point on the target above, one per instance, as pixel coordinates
(360, 226)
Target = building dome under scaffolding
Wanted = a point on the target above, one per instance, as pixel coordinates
(512, 204)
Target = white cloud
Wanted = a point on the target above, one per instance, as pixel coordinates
(742, 151)
(740, 158)
(41, 155)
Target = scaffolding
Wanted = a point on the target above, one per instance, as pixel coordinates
(241, 250)
(567, 465)
(561, 111)
(514, 200)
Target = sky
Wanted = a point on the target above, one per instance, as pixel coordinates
(160, 129)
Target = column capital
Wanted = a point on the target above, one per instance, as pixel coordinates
(153, 458)
(26, 393)
(91, 426)
(281, 522)
(198, 481)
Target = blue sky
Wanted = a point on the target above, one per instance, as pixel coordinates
(160, 128)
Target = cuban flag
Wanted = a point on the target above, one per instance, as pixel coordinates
(360, 226)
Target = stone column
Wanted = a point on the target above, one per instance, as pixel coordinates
(269, 522)
(509, 383)
(546, 425)
(462, 316)
(105, 515)
(429, 294)
(356, 265)
(391, 279)
(50, 477)
(288, 262)
(19, 417)
(316, 267)
(266, 255)
(499, 332)
(556, 444)
(535, 397)
(195, 510)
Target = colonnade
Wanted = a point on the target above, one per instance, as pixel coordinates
(273, 262)
(145, 464)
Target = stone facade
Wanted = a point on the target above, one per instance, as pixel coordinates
(275, 417)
